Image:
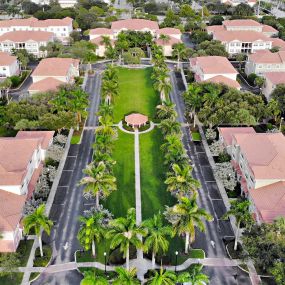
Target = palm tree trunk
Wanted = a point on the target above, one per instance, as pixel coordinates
(153, 259)
(128, 259)
(236, 237)
(41, 246)
(97, 200)
(194, 123)
(187, 238)
(93, 248)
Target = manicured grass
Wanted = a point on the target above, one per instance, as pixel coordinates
(124, 197)
(196, 136)
(24, 250)
(153, 190)
(136, 93)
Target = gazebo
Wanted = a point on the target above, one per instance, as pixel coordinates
(136, 120)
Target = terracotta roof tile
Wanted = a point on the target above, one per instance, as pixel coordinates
(241, 23)
(227, 133)
(275, 77)
(242, 36)
(24, 36)
(224, 80)
(55, 66)
(266, 56)
(172, 41)
(101, 31)
(168, 31)
(44, 136)
(45, 85)
(6, 59)
(134, 24)
(136, 119)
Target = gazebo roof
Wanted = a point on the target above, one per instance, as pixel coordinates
(136, 119)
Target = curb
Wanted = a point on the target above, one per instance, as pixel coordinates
(19, 87)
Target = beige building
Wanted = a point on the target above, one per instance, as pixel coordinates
(9, 65)
(216, 69)
(272, 79)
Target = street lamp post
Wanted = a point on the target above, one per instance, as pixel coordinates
(281, 121)
(176, 255)
(105, 257)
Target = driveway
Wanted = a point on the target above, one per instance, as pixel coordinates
(69, 203)
(209, 198)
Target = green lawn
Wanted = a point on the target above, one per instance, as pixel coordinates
(153, 171)
(122, 199)
(136, 93)
(196, 136)
(15, 280)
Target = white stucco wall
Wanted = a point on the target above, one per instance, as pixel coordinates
(10, 70)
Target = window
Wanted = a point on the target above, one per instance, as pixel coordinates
(260, 66)
(232, 44)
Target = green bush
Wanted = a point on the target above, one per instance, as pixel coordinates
(224, 157)
(251, 78)
(16, 80)
(42, 261)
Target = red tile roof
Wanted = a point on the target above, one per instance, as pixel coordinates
(170, 42)
(101, 31)
(276, 42)
(168, 31)
(269, 201)
(242, 36)
(242, 23)
(135, 24)
(213, 64)
(55, 66)
(15, 155)
(44, 137)
(266, 56)
(6, 59)
(34, 22)
(224, 80)
(136, 119)
(265, 154)
(99, 41)
(268, 29)
(227, 133)
(11, 206)
(275, 77)
(24, 36)
(45, 85)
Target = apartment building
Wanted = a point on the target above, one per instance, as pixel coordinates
(53, 72)
(258, 160)
(216, 69)
(265, 61)
(272, 79)
(61, 28)
(9, 65)
(20, 167)
(29, 40)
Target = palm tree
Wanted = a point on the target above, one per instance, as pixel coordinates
(162, 277)
(105, 157)
(171, 141)
(90, 278)
(180, 181)
(164, 38)
(124, 232)
(110, 74)
(169, 127)
(91, 231)
(163, 86)
(166, 110)
(106, 110)
(194, 276)
(193, 99)
(240, 210)
(212, 95)
(156, 238)
(109, 90)
(38, 221)
(103, 143)
(126, 277)
(6, 85)
(179, 51)
(98, 181)
(105, 127)
(185, 216)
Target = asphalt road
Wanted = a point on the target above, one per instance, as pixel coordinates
(209, 198)
(69, 202)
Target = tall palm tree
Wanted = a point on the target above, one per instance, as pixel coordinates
(110, 90)
(156, 238)
(90, 278)
(193, 99)
(38, 221)
(180, 181)
(169, 126)
(124, 232)
(103, 143)
(163, 86)
(110, 74)
(166, 110)
(185, 216)
(98, 181)
(165, 38)
(105, 157)
(194, 276)
(106, 110)
(105, 127)
(212, 95)
(126, 277)
(179, 51)
(91, 231)
(240, 210)
(162, 277)
(171, 141)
